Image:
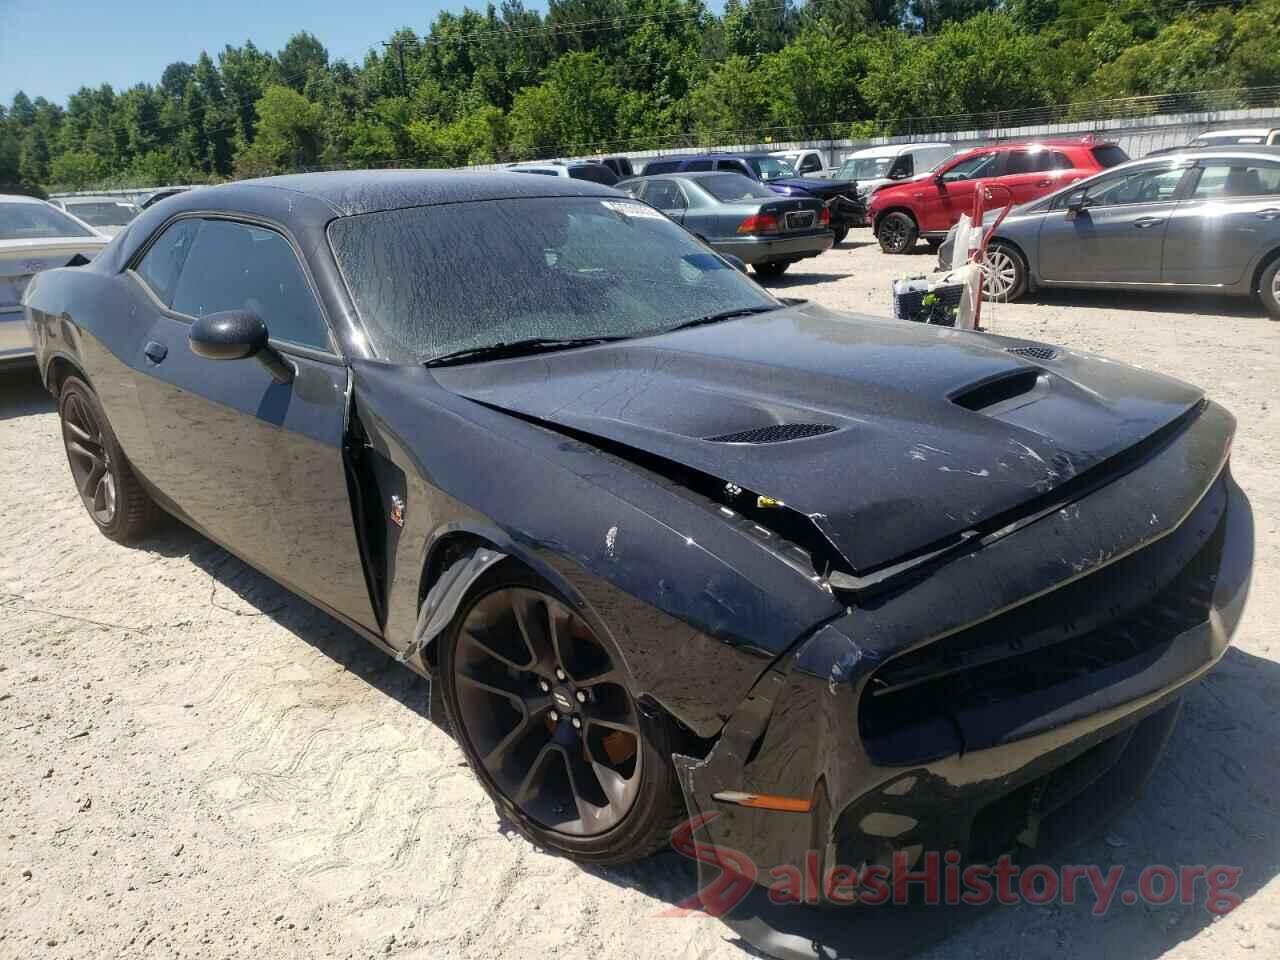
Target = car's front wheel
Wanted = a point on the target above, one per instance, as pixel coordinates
(1269, 289)
(541, 704)
(110, 491)
(1004, 273)
(897, 232)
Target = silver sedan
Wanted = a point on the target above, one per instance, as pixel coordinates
(1205, 221)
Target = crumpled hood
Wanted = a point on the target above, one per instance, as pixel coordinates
(814, 186)
(935, 430)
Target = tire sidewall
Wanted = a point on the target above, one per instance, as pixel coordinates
(1267, 290)
(1020, 275)
(629, 840)
(74, 386)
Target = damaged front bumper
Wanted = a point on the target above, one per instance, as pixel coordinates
(1009, 726)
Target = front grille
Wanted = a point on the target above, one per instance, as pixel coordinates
(775, 433)
(1128, 611)
(1038, 353)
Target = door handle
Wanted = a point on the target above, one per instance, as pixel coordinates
(1271, 213)
(1145, 222)
(155, 352)
(1044, 183)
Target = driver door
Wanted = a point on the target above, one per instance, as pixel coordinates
(257, 465)
(943, 199)
(1118, 235)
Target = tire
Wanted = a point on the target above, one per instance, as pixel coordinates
(491, 668)
(897, 232)
(1005, 273)
(1269, 289)
(771, 269)
(841, 233)
(111, 493)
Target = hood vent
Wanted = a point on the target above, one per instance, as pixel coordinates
(775, 433)
(1000, 391)
(1038, 353)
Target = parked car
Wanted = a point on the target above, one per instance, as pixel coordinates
(807, 163)
(672, 549)
(740, 217)
(574, 169)
(1206, 220)
(929, 204)
(34, 236)
(877, 167)
(840, 196)
(1241, 136)
(163, 193)
(621, 166)
(107, 215)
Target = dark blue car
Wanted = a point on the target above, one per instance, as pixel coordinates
(840, 196)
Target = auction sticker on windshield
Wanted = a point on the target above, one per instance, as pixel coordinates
(632, 209)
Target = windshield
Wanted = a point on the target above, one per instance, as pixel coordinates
(104, 213)
(33, 221)
(430, 281)
(771, 168)
(866, 168)
(731, 187)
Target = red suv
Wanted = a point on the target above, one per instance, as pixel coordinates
(930, 204)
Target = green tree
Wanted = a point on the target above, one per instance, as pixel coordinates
(76, 170)
(290, 130)
(301, 57)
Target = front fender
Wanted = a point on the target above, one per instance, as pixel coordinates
(698, 606)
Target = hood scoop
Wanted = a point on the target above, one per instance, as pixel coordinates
(775, 433)
(1003, 393)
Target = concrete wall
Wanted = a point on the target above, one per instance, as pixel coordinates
(1137, 136)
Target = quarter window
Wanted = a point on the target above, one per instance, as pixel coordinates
(236, 266)
(1222, 181)
(694, 165)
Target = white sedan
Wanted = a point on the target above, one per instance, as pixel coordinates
(34, 236)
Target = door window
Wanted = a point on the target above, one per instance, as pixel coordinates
(1029, 161)
(902, 168)
(665, 195)
(1237, 178)
(1137, 186)
(983, 165)
(810, 163)
(695, 165)
(160, 267)
(236, 266)
(737, 166)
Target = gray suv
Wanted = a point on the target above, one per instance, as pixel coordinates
(1202, 221)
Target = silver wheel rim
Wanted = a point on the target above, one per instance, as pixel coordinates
(1275, 287)
(999, 273)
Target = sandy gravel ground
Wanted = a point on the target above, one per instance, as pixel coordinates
(195, 763)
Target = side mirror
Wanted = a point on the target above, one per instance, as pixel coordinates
(1077, 200)
(237, 335)
(736, 262)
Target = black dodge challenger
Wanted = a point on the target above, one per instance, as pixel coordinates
(667, 547)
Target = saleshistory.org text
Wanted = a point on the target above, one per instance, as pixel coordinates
(936, 878)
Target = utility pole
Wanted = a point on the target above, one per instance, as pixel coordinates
(398, 44)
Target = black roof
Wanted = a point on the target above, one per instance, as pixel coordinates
(351, 192)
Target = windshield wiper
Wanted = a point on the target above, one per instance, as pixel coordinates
(515, 348)
(724, 315)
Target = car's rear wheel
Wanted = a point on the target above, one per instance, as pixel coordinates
(541, 705)
(773, 269)
(897, 232)
(1269, 289)
(1004, 273)
(841, 233)
(110, 491)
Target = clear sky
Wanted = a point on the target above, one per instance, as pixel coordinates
(51, 48)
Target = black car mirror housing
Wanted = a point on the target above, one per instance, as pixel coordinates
(237, 335)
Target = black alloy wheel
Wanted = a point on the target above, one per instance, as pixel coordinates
(110, 491)
(541, 704)
(897, 233)
(89, 459)
(841, 233)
